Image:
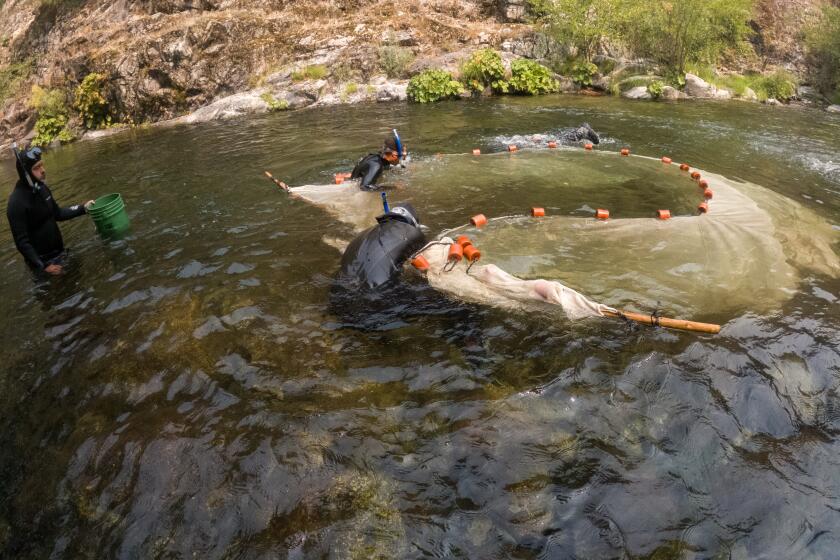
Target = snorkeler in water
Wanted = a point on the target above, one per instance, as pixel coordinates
(370, 168)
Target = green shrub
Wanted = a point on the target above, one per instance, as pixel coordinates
(433, 85)
(583, 72)
(823, 41)
(531, 78)
(312, 72)
(779, 85)
(484, 69)
(12, 77)
(52, 116)
(91, 103)
(351, 88)
(273, 103)
(655, 89)
(394, 61)
(584, 24)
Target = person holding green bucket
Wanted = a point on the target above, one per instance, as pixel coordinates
(33, 214)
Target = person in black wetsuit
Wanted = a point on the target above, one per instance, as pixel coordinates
(375, 258)
(370, 167)
(33, 212)
(583, 132)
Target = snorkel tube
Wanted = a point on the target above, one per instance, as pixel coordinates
(21, 168)
(402, 153)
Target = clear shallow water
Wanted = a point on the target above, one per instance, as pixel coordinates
(189, 391)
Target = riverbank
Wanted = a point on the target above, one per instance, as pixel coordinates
(71, 71)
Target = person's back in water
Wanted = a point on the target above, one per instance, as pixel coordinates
(375, 258)
(370, 168)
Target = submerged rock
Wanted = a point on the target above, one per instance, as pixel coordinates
(671, 93)
(833, 109)
(228, 107)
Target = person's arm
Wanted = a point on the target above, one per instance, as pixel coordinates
(16, 214)
(64, 214)
(374, 169)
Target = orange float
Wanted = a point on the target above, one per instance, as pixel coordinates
(512, 148)
(339, 179)
(588, 147)
(479, 220)
(708, 193)
(625, 152)
(463, 241)
(420, 263)
(703, 184)
(695, 175)
(703, 208)
(667, 160)
(664, 214)
(552, 145)
(538, 212)
(471, 253)
(476, 152)
(456, 253)
(685, 167)
(602, 214)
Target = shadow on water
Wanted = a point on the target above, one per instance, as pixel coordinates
(194, 390)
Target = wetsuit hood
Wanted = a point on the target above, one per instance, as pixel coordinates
(404, 212)
(25, 161)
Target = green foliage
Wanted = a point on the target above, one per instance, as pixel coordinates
(91, 103)
(780, 85)
(351, 88)
(312, 72)
(823, 41)
(273, 103)
(53, 116)
(394, 61)
(583, 72)
(433, 85)
(484, 69)
(676, 34)
(655, 88)
(531, 78)
(12, 77)
(583, 24)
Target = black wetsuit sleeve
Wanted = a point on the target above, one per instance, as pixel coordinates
(374, 169)
(16, 213)
(64, 214)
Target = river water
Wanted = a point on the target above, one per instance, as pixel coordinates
(188, 391)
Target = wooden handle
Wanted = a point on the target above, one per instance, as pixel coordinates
(280, 184)
(678, 324)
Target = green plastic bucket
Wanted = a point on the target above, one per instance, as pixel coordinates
(108, 213)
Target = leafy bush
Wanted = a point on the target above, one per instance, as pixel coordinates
(484, 69)
(531, 78)
(583, 72)
(395, 61)
(273, 103)
(582, 23)
(91, 103)
(780, 85)
(676, 34)
(312, 72)
(433, 85)
(823, 41)
(351, 88)
(53, 116)
(655, 89)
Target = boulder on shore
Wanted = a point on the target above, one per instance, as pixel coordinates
(833, 109)
(638, 92)
(695, 86)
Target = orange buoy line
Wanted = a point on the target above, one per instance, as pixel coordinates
(538, 212)
(625, 152)
(666, 160)
(703, 207)
(695, 175)
(588, 147)
(703, 184)
(664, 214)
(684, 167)
(602, 214)
(708, 194)
(552, 145)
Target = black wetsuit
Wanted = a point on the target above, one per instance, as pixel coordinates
(369, 169)
(32, 218)
(375, 258)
